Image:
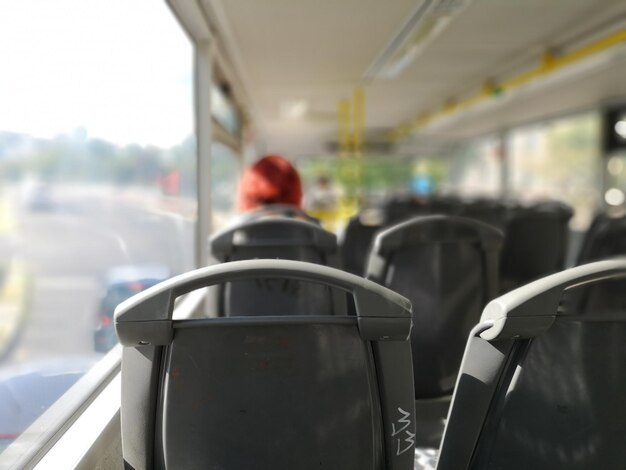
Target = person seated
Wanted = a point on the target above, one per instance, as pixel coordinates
(271, 187)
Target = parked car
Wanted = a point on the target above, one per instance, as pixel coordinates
(122, 283)
(37, 196)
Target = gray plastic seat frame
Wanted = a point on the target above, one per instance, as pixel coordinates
(223, 243)
(277, 210)
(433, 229)
(517, 317)
(436, 229)
(145, 328)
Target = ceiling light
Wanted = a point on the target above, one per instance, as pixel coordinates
(293, 109)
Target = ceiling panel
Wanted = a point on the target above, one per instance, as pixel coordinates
(302, 41)
(318, 51)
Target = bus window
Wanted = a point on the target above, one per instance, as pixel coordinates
(225, 171)
(97, 183)
(475, 169)
(615, 195)
(558, 160)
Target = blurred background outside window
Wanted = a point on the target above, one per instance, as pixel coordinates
(559, 160)
(97, 183)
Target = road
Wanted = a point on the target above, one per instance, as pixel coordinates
(67, 250)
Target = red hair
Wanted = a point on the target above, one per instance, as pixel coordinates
(271, 180)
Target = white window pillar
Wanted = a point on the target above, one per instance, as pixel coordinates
(202, 92)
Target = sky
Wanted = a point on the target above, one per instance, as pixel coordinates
(121, 69)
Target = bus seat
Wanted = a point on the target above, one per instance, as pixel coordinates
(357, 239)
(605, 238)
(362, 228)
(542, 381)
(486, 210)
(272, 238)
(275, 210)
(445, 205)
(448, 267)
(267, 392)
(535, 244)
(403, 208)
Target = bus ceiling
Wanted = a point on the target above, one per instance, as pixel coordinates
(430, 69)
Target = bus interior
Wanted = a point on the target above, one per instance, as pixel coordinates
(449, 296)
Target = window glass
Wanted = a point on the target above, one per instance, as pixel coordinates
(335, 188)
(97, 183)
(615, 194)
(474, 169)
(429, 175)
(225, 112)
(368, 178)
(559, 160)
(225, 171)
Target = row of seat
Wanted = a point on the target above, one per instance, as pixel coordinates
(539, 387)
(535, 237)
(522, 259)
(446, 266)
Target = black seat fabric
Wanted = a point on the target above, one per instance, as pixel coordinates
(403, 208)
(362, 228)
(605, 238)
(542, 380)
(324, 406)
(358, 238)
(267, 392)
(486, 210)
(447, 267)
(276, 238)
(535, 244)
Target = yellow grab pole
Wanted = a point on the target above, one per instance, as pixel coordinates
(358, 97)
(343, 126)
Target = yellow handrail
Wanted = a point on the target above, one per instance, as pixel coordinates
(549, 64)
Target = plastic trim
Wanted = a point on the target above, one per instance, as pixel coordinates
(530, 310)
(146, 318)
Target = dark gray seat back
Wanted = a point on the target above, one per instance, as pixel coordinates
(488, 211)
(267, 392)
(605, 238)
(399, 209)
(542, 380)
(448, 267)
(276, 210)
(277, 238)
(358, 238)
(535, 244)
